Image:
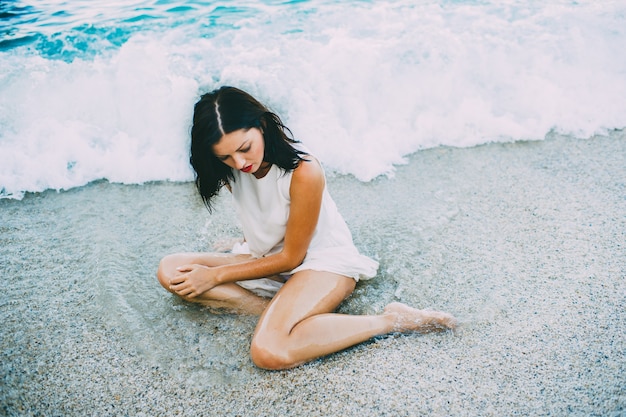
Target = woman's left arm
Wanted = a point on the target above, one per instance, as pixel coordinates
(306, 190)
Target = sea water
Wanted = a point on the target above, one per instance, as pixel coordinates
(505, 237)
(104, 90)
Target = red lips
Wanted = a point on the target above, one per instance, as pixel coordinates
(246, 169)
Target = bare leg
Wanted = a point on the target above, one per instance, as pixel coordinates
(229, 297)
(298, 325)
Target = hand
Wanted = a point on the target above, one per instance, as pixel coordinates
(193, 280)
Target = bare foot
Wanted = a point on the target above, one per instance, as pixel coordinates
(409, 319)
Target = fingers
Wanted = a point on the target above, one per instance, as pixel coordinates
(181, 276)
(179, 284)
(185, 282)
(182, 289)
(183, 286)
(186, 268)
(186, 292)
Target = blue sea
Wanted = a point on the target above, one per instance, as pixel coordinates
(104, 89)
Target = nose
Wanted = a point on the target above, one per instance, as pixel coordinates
(240, 161)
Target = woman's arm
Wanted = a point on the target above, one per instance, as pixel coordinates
(307, 186)
(306, 189)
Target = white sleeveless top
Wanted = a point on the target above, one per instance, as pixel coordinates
(263, 208)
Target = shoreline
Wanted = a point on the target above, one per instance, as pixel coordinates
(522, 241)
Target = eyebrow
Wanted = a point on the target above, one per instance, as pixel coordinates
(245, 142)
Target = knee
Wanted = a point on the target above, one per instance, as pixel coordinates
(270, 356)
(165, 271)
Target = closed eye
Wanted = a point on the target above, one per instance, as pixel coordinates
(245, 148)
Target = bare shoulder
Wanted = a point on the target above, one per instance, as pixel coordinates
(309, 173)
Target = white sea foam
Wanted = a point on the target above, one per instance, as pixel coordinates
(363, 85)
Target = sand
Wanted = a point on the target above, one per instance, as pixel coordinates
(523, 242)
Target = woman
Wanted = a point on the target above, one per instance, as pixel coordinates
(294, 235)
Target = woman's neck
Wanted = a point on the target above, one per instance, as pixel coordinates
(263, 170)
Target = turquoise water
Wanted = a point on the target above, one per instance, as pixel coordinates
(95, 90)
(82, 29)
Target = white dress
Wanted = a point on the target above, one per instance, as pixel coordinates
(263, 209)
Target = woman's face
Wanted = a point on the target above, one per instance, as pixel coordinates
(242, 149)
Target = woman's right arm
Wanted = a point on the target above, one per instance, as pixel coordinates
(306, 190)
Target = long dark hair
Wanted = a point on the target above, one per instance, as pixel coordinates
(226, 110)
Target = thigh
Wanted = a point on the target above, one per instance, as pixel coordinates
(307, 293)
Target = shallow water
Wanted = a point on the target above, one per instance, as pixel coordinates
(523, 242)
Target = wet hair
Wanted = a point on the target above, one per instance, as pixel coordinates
(226, 110)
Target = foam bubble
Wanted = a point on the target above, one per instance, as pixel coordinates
(362, 84)
(122, 118)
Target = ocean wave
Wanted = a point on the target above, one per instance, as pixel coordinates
(362, 84)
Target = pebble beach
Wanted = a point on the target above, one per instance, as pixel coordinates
(523, 242)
